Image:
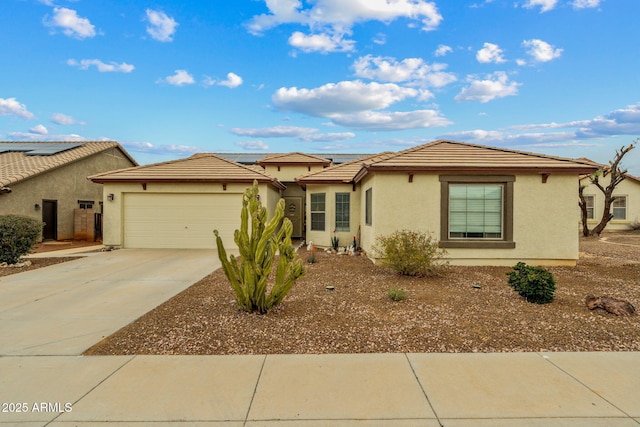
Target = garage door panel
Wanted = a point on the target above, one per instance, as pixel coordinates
(177, 220)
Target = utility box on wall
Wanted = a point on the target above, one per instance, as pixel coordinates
(84, 224)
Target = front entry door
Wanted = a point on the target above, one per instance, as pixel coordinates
(50, 219)
(293, 211)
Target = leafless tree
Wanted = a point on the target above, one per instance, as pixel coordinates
(617, 175)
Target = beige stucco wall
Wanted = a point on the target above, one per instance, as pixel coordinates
(67, 185)
(113, 210)
(544, 217)
(628, 188)
(323, 238)
(289, 173)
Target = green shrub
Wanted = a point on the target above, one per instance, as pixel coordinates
(397, 294)
(258, 246)
(411, 253)
(18, 234)
(535, 284)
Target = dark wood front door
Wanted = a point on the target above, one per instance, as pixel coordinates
(293, 211)
(50, 219)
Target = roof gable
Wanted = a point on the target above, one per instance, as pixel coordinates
(342, 173)
(293, 159)
(204, 167)
(450, 156)
(20, 160)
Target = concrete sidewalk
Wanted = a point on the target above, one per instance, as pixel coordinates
(64, 309)
(512, 389)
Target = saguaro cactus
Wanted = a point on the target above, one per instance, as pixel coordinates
(258, 245)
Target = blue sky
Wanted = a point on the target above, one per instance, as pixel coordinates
(170, 78)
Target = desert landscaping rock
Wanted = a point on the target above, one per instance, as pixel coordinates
(441, 314)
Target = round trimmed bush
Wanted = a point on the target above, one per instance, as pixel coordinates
(18, 234)
(535, 284)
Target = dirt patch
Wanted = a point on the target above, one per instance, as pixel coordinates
(468, 309)
(35, 264)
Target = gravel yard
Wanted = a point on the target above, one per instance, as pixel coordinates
(441, 314)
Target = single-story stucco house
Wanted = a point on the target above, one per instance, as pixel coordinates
(47, 181)
(625, 207)
(486, 205)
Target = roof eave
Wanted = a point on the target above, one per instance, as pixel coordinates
(265, 180)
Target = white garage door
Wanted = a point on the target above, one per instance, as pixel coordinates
(162, 220)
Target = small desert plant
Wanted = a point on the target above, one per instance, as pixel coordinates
(411, 253)
(535, 284)
(635, 225)
(396, 294)
(258, 247)
(18, 234)
(335, 242)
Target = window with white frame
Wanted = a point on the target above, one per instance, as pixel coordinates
(318, 211)
(591, 202)
(475, 211)
(619, 207)
(342, 211)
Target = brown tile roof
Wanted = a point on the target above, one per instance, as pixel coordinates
(343, 173)
(18, 166)
(606, 167)
(452, 157)
(293, 159)
(204, 167)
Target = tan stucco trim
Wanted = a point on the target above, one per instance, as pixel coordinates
(507, 241)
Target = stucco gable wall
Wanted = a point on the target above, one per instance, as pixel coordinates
(544, 217)
(67, 185)
(289, 173)
(628, 188)
(323, 238)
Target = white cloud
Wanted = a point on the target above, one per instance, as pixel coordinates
(180, 78)
(111, 67)
(380, 39)
(490, 52)
(30, 136)
(63, 119)
(300, 133)
(274, 132)
(334, 18)
(39, 129)
(11, 107)
(342, 97)
(161, 27)
(541, 51)
(442, 50)
(233, 80)
(494, 86)
(147, 147)
(411, 70)
(323, 43)
(582, 4)
(253, 145)
(624, 121)
(545, 5)
(72, 25)
(391, 120)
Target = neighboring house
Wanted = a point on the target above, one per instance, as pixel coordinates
(625, 207)
(48, 181)
(486, 206)
(178, 204)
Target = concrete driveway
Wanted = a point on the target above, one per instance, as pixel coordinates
(64, 309)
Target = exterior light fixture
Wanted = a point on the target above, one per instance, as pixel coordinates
(110, 197)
